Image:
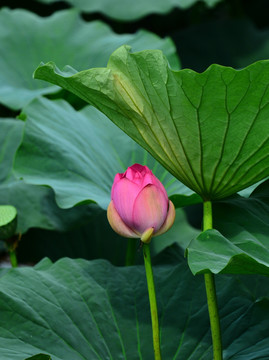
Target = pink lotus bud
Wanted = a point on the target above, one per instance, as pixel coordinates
(139, 206)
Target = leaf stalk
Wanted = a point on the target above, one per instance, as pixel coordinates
(211, 293)
(13, 258)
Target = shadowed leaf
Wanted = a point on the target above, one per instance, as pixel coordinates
(240, 246)
(122, 10)
(61, 36)
(79, 153)
(76, 309)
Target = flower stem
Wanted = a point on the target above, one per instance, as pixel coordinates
(131, 250)
(211, 293)
(13, 258)
(152, 302)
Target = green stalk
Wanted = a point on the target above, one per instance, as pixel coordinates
(152, 302)
(131, 250)
(13, 258)
(211, 293)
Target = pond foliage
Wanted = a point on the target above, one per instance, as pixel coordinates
(87, 89)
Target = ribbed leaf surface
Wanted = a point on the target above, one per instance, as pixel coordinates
(76, 309)
(210, 130)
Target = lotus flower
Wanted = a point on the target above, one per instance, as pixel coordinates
(139, 206)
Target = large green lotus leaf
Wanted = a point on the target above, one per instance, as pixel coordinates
(78, 309)
(210, 130)
(26, 39)
(79, 153)
(35, 205)
(240, 243)
(130, 10)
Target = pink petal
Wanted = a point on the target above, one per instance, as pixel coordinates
(148, 179)
(150, 209)
(169, 221)
(139, 174)
(138, 168)
(117, 224)
(124, 194)
(130, 173)
(117, 178)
